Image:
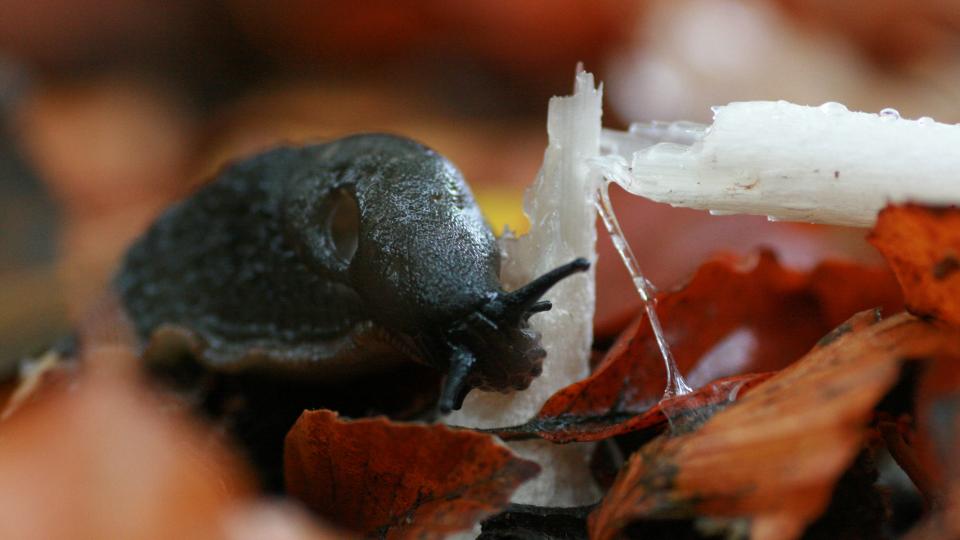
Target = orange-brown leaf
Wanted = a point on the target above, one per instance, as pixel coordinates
(105, 459)
(922, 245)
(726, 321)
(393, 480)
(775, 454)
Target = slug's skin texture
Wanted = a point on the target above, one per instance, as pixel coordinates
(330, 261)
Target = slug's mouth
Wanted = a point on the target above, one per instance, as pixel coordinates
(494, 348)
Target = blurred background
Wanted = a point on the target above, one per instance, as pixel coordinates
(110, 109)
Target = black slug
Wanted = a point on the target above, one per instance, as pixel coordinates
(330, 260)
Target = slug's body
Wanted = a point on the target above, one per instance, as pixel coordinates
(331, 260)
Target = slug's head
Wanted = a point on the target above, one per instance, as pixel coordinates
(493, 347)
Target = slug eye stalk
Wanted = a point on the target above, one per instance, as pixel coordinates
(498, 334)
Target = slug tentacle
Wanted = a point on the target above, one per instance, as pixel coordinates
(513, 306)
(493, 347)
(455, 388)
(539, 307)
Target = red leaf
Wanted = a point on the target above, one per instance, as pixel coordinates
(775, 454)
(394, 480)
(922, 245)
(726, 321)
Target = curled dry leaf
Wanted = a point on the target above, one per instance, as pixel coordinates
(654, 419)
(392, 480)
(922, 245)
(726, 321)
(103, 459)
(776, 454)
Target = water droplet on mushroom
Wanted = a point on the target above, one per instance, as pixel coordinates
(833, 108)
(889, 114)
(925, 121)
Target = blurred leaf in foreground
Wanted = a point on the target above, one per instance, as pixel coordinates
(103, 458)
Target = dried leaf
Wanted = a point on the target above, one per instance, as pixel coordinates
(922, 245)
(103, 459)
(381, 478)
(574, 428)
(727, 321)
(776, 454)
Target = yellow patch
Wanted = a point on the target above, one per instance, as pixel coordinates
(503, 206)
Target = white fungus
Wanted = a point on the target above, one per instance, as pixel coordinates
(560, 207)
(790, 162)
